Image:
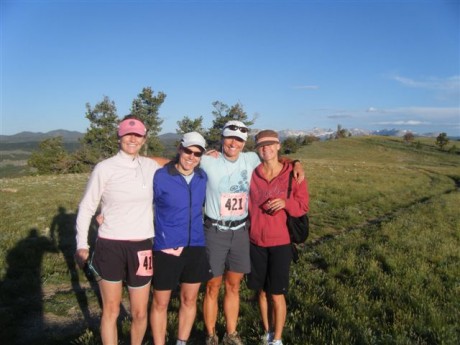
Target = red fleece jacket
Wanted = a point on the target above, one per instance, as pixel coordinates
(270, 230)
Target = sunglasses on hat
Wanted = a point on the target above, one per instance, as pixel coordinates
(234, 128)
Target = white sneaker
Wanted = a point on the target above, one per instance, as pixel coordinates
(267, 338)
(276, 342)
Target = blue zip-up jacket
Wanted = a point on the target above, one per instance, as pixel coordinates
(178, 208)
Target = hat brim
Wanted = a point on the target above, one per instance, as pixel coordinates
(139, 132)
(194, 143)
(264, 143)
(229, 133)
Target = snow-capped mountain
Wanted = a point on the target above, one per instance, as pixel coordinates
(323, 133)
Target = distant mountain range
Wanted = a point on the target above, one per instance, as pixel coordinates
(326, 133)
(74, 136)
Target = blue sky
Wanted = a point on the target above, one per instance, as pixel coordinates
(291, 64)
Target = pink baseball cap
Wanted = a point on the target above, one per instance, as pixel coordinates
(131, 126)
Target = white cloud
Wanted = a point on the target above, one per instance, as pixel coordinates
(431, 113)
(403, 123)
(432, 83)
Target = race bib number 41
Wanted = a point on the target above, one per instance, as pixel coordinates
(233, 204)
(145, 263)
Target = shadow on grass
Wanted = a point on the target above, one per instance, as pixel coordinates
(62, 231)
(21, 291)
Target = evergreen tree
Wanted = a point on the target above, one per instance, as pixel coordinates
(51, 158)
(100, 140)
(223, 113)
(341, 132)
(442, 140)
(290, 145)
(408, 137)
(146, 107)
(309, 139)
(187, 125)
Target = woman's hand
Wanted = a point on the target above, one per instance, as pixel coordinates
(274, 205)
(100, 219)
(212, 153)
(299, 173)
(81, 257)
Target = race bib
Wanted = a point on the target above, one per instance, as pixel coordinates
(145, 263)
(233, 204)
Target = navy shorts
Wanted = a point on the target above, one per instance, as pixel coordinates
(129, 261)
(227, 250)
(190, 267)
(270, 269)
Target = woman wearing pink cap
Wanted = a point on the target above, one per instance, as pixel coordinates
(123, 187)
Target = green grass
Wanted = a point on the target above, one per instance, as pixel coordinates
(381, 265)
(13, 163)
(390, 283)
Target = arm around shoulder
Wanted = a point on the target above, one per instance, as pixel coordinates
(297, 168)
(162, 161)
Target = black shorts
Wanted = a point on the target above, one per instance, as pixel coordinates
(270, 269)
(129, 261)
(190, 267)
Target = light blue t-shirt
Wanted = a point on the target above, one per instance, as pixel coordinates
(227, 190)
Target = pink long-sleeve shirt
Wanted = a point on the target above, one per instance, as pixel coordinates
(270, 230)
(123, 186)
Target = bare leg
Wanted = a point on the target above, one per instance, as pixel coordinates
(232, 299)
(111, 299)
(279, 306)
(265, 310)
(187, 311)
(139, 298)
(159, 315)
(210, 306)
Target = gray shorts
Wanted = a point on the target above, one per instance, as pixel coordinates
(227, 250)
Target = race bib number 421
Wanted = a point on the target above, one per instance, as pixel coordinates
(233, 204)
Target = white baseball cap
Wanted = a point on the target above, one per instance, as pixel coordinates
(235, 128)
(193, 139)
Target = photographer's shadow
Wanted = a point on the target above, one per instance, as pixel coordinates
(62, 232)
(21, 295)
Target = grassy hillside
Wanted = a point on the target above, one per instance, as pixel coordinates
(14, 156)
(381, 265)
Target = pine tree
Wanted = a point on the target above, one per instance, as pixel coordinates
(442, 140)
(187, 125)
(223, 113)
(51, 158)
(146, 106)
(100, 140)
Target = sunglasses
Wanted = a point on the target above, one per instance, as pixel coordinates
(187, 151)
(234, 128)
